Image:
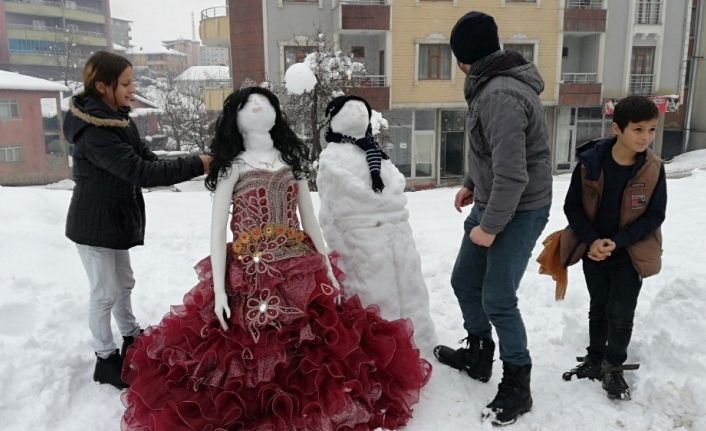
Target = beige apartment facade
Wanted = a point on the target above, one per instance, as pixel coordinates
(427, 108)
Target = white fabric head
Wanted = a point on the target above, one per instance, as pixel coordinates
(257, 115)
(351, 120)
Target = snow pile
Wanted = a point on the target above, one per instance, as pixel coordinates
(299, 79)
(16, 81)
(46, 358)
(684, 164)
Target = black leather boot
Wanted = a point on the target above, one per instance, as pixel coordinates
(108, 370)
(476, 359)
(513, 398)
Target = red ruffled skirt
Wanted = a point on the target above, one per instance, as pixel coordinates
(298, 362)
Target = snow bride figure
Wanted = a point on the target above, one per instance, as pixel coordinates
(364, 218)
(279, 352)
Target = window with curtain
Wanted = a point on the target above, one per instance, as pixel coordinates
(10, 154)
(9, 109)
(296, 54)
(525, 49)
(434, 61)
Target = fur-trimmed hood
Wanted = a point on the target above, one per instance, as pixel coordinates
(87, 111)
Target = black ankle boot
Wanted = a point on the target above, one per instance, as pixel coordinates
(476, 359)
(614, 382)
(513, 398)
(108, 370)
(127, 342)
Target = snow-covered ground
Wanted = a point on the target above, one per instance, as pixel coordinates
(46, 360)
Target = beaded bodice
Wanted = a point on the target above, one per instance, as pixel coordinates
(262, 198)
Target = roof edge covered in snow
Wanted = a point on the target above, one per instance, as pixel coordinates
(16, 81)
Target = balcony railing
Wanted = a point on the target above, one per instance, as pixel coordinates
(579, 78)
(67, 5)
(55, 30)
(214, 12)
(365, 2)
(369, 81)
(648, 12)
(641, 84)
(584, 4)
(39, 2)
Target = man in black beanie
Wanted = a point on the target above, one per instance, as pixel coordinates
(510, 186)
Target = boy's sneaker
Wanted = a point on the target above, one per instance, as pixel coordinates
(513, 398)
(614, 383)
(476, 359)
(589, 367)
(108, 370)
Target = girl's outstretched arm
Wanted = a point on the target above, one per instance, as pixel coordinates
(222, 198)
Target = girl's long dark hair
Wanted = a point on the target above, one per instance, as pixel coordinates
(227, 142)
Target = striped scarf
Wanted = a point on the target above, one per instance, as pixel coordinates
(373, 154)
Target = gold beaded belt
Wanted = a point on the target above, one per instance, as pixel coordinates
(256, 248)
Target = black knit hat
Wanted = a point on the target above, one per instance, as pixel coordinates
(337, 103)
(474, 36)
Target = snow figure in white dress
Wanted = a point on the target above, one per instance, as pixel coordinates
(364, 218)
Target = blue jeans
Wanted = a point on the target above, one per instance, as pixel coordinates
(485, 281)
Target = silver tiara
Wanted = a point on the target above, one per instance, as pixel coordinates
(247, 82)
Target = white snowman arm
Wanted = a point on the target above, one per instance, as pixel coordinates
(219, 225)
(312, 228)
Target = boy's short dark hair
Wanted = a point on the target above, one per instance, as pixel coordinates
(634, 109)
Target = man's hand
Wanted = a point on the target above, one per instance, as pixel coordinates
(481, 237)
(463, 197)
(600, 249)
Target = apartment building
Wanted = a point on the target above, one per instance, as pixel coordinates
(589, 52)
(121, 29)
(160, 60)
(615, 48)
(32, 148)
(47, 38)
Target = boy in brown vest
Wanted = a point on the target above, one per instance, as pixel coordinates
(615, 205)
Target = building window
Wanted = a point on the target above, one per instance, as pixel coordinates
(520, 1)
(434, 61)
(642, 70)
(9, 109)
(648, 11)
(358, 51)
(10, 153)
(22, 45)
(524, 49)
(423, 151)
(296, 54)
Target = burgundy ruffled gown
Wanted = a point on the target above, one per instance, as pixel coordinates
(291, 359)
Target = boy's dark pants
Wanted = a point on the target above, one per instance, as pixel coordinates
(614, 286)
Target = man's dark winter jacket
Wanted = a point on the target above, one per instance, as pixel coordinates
(640, 212)
(509, 158)
(110, 165)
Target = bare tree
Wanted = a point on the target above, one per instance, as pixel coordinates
(334, 72)
(185, 119)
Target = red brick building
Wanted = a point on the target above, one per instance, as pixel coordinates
(32, 148)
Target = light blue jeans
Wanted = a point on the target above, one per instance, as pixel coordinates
(485, 281)
(110, 282)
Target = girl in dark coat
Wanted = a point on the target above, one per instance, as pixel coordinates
(107, 212)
